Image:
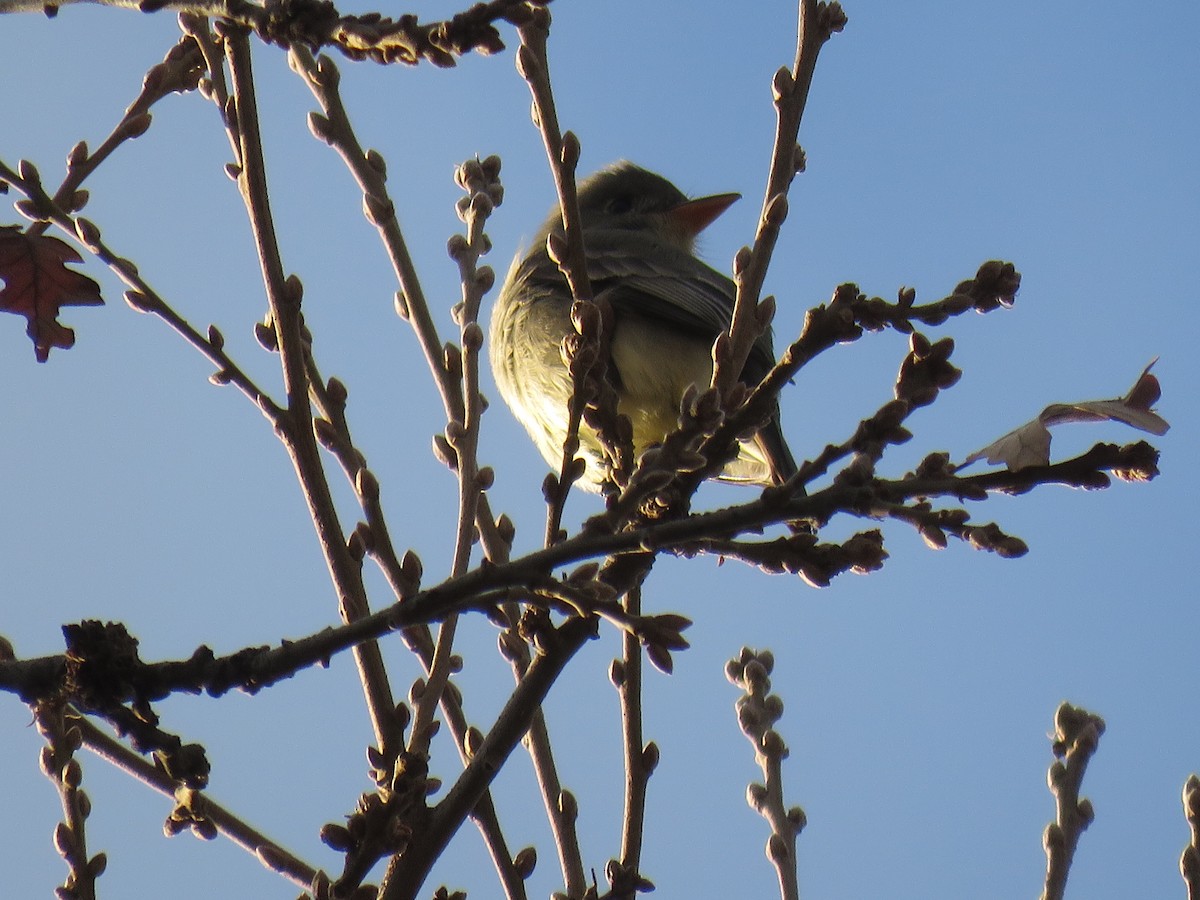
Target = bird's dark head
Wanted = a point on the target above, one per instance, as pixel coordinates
(627, 197)
(625, 192)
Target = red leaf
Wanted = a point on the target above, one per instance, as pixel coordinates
(1145, 392)
(37, 284)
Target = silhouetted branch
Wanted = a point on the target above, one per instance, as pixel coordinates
(758, 710)
(1189, 861)
(1076, 735)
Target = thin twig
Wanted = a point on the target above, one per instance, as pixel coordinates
(1076, 736)
(179, 71)
(284, 295)
(460, 399)
(462, 404)
(330, 401)
(640, 758)
(481, 181)
(369, 169)
(269, 853)
(758, 710)
(816, 23)
(58, 763)
(1189, 861)
(562, 151)
(142, 297)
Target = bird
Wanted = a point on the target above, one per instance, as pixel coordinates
(668, 307)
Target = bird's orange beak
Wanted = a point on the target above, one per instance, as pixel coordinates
(693, 216)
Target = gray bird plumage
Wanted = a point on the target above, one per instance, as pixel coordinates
(668, 308)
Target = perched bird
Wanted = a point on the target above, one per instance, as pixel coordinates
(639, 232)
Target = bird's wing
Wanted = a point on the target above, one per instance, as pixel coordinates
(659, 282)
(668, 285)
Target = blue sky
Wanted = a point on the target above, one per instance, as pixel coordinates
(917, 699)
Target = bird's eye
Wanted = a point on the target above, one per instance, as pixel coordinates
(619, 205)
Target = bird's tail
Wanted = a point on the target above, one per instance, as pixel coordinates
(764, 459)
(780, 462)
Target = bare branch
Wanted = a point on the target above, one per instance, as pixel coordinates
(758, 710)
(268, 852)
(585, 354)
(817, 22)
(59, 765)
(640, 757)
(1076, 736)
(407, 871)
(317, 23)
(284, 296)
(1189, 860)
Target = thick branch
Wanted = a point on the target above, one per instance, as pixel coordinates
(317, 23)
(408, 871)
